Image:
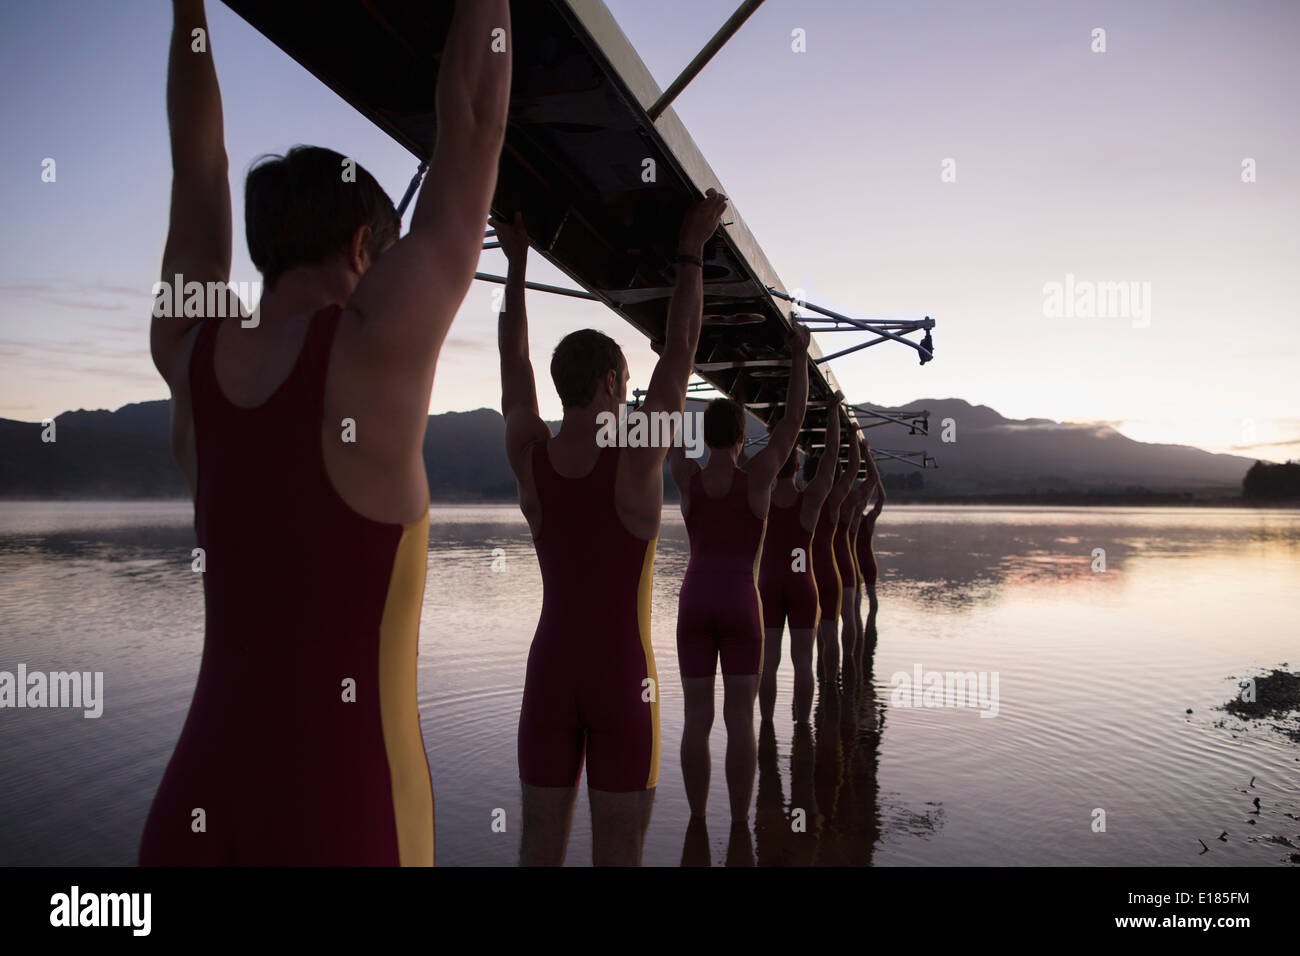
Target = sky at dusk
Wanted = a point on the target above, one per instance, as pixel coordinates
(1122, 166)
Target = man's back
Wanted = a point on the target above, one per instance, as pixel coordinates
(300, 435)
(304, 712)
(591, 669)
(611, 711)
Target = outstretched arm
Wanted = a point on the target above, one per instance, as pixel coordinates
(845, 483)
(524, 425)
(875, 479)
(667, 389)
(683, 469)
(406, 301)
(857, 498)
(824, 477)
(785, 433)
(198, 235)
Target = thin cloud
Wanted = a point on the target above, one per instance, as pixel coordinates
(1104, 422)
(68, 293)
(468, 345)
(72, 347)
(1266, 444)
(116, 372)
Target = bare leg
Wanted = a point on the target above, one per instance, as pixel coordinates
(548, 814)
(742, 749)
(828, 649)
(849, 632)
(696, 765)
(767, 683)
(801, 652)
(869, 630)
(618, 825)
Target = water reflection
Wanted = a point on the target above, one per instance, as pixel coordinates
(1098, 671)
(959, 558)
(832, 817)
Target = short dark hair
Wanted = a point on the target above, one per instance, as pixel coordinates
(299, 210)
(724, 423)
(580, 361)
(791, 464)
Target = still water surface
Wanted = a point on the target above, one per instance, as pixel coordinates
(1096, 674)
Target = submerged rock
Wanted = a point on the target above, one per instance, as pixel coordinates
(1275, 695)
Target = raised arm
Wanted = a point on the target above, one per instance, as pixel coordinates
(405, 303)
(667, 389)
(683, 470)
(877, 483)
(198, 234)
(844, 485)
(820, 486)
(856, 499)
(524, 425)
(764, 466)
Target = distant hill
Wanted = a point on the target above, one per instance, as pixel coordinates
(997, 455)
(100, 454)
(125, 454)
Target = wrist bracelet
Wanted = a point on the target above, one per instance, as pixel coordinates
(683, 257)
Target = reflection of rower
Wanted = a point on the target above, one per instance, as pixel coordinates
(786, 836)
(719, 615)
(787, 581)
(847, 773)
(828, 763)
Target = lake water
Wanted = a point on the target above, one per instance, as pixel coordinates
(1110, 686)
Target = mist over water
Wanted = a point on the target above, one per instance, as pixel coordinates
(1096, 672)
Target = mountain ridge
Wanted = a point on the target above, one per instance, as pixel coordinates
(125, 453)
